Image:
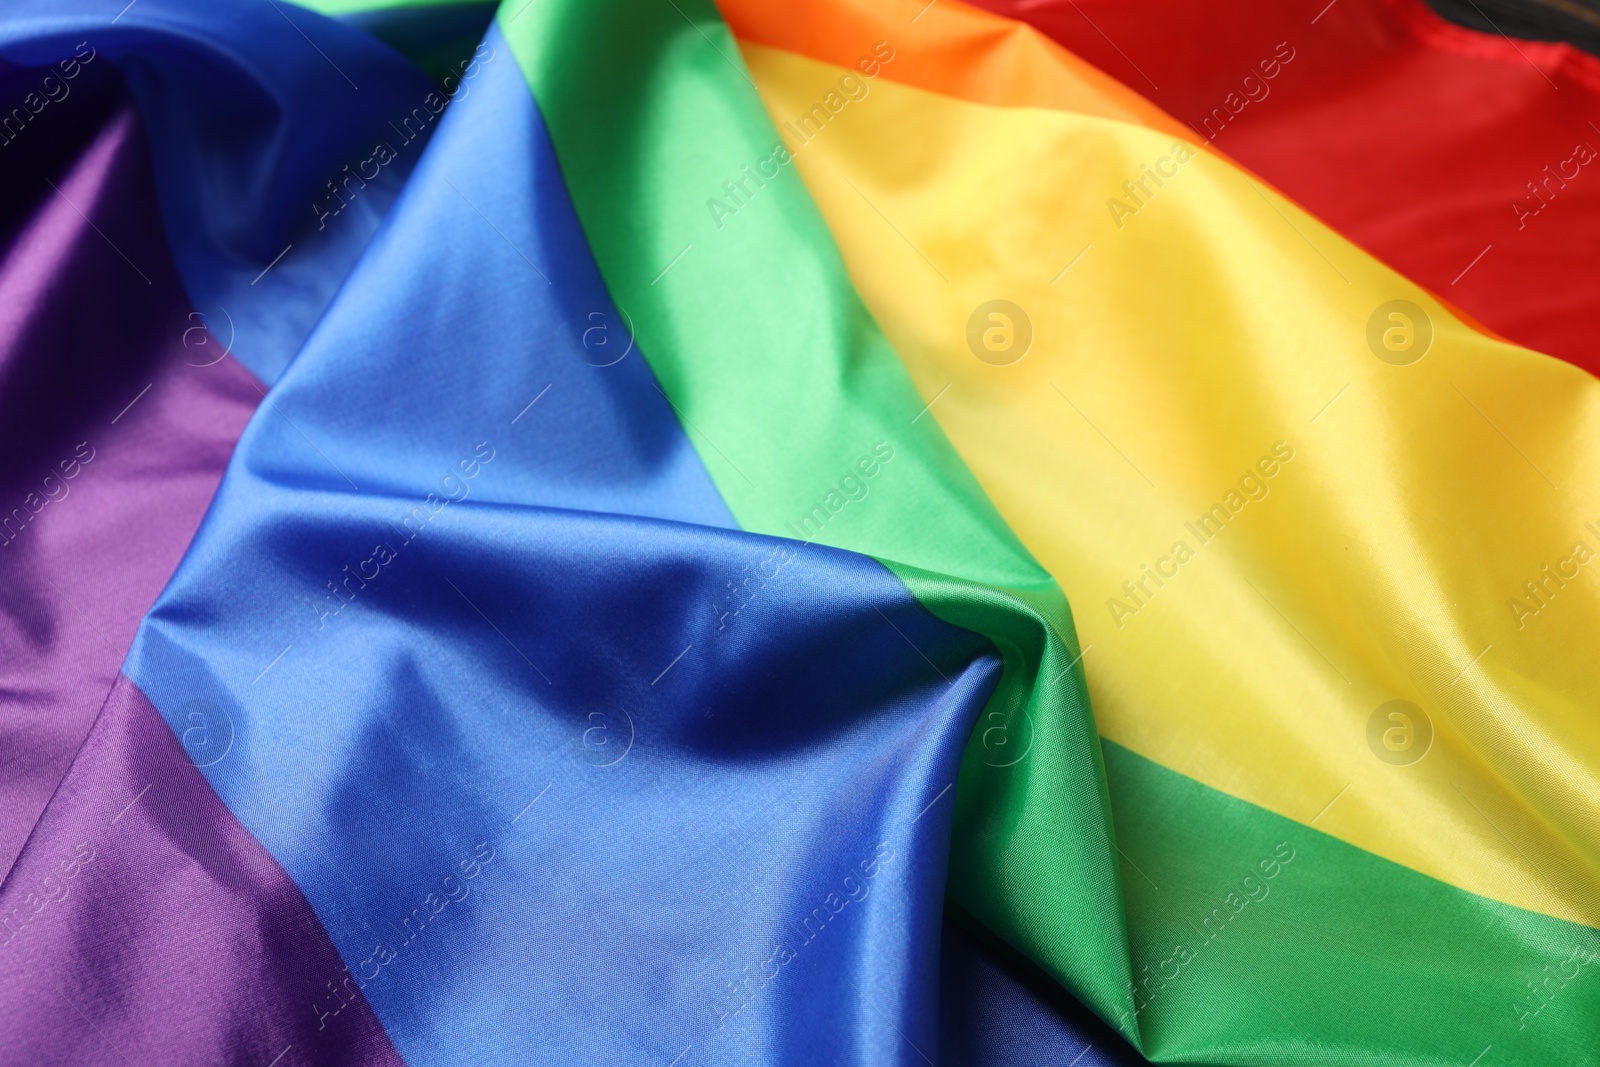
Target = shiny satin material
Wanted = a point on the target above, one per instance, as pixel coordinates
(1208, 426)
(433, 36)
(118, 411)
(786, 381)
(442, 782)
(254, 111)
(143, 924)
(960, 51)
(1210, 325)
(1424, 142)
(576, 774)
(999, 1009)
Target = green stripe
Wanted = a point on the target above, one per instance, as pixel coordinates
(783, 380)
(1344, 958)
(437, 35)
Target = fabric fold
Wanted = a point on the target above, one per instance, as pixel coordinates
(541, 735)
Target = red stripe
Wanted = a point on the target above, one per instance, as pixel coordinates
(1412, 136)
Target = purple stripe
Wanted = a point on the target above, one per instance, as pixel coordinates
(92, 320)
(143, 924)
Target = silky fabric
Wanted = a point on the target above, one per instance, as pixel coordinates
(787, 385)
(118, 411)
(1101, 371)
(531, 740)
(997, 1008)
(1453, 155)
(1092, 554)
(144, 924)
(531, 769)
(263, 120)
(141, 793)
(434, 37)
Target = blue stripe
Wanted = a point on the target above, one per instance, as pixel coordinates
(251, 109)
(572, 770)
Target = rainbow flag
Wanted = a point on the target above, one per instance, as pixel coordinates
(895, 532)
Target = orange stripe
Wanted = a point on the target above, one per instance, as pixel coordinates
(959, 51)
(947, 48)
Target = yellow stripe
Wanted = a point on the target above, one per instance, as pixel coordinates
(1176, 342)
